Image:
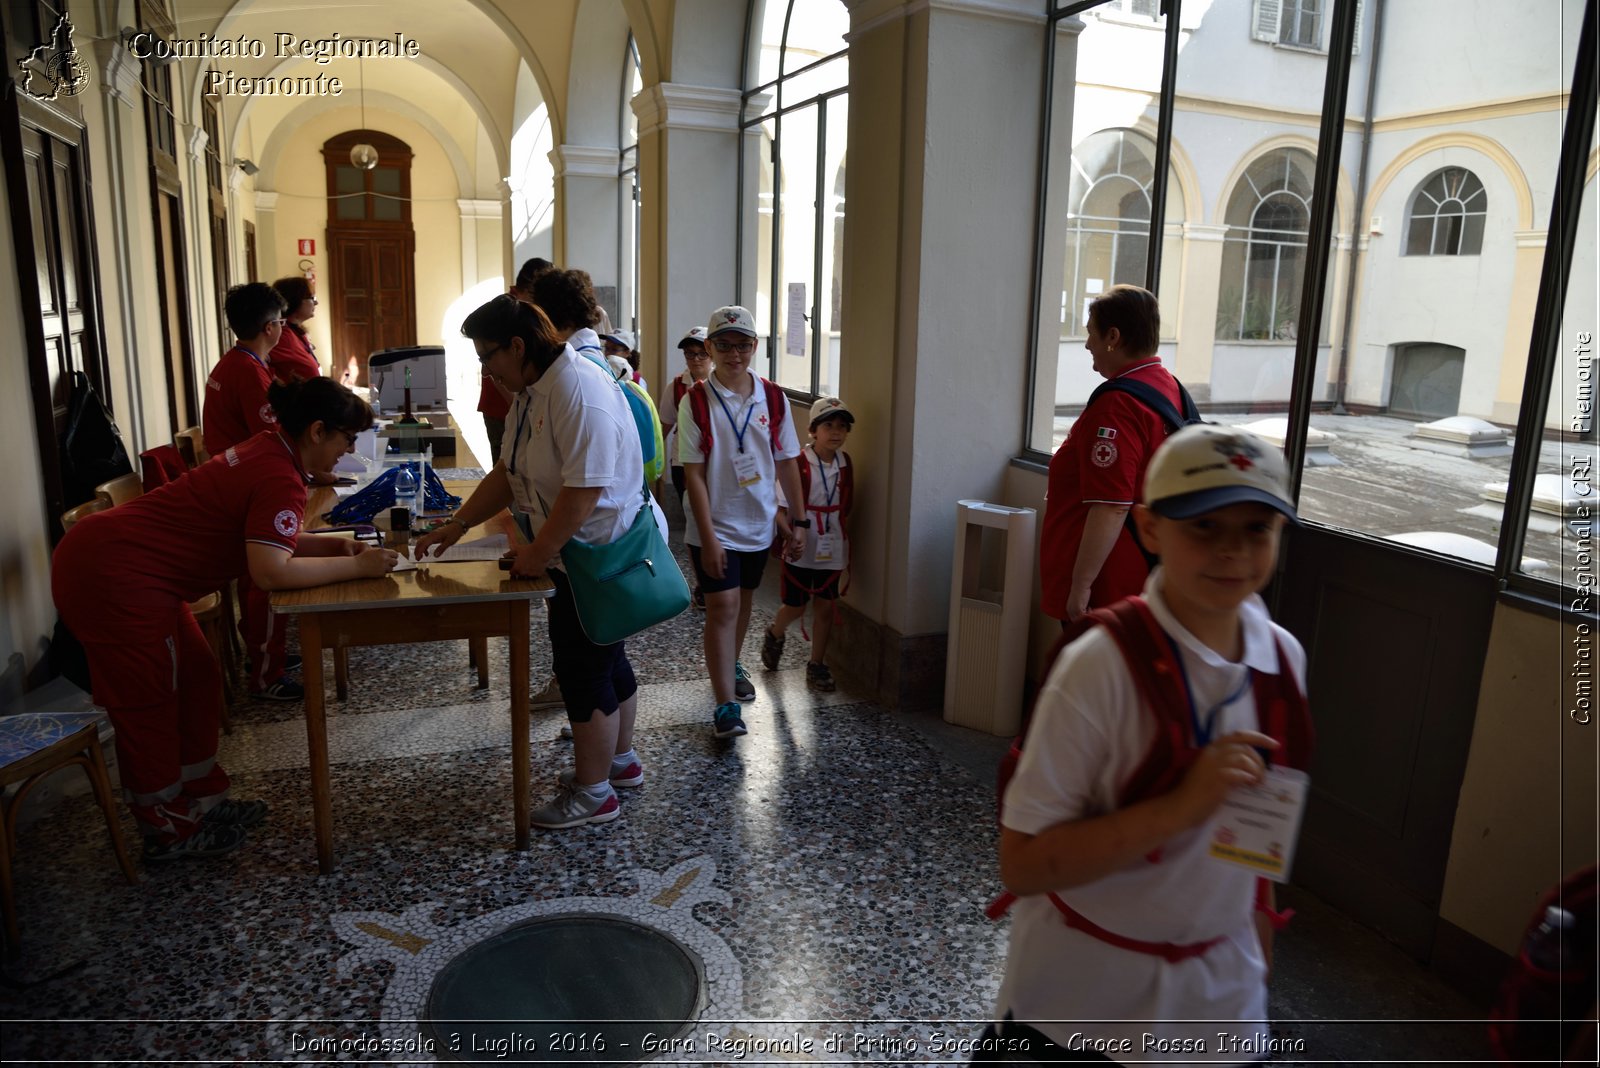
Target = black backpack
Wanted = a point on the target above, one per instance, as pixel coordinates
(1151, 398)
(91, 446)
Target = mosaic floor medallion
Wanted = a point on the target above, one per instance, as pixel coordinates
(656, 953)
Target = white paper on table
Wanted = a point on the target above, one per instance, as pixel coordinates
(492, 547)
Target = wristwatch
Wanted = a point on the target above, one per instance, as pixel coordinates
(800, 523)
(457, 519)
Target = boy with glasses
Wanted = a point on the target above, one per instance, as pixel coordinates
(736, 441)
(697, 368)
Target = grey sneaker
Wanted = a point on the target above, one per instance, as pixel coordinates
(566, 731)
(572, 807)
(726, 723)
(743, 688)
(818, 677)
(547, 698)
(211, 840)
(772, 649)
(623, 776)
(231, 813)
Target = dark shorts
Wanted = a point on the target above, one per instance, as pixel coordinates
(590, 676)
(678, 481)
(742, 569)
(800, 584)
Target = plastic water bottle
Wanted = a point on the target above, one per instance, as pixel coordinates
(1552, 946)
(405, 489)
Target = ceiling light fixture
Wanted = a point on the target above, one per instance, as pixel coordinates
(363, 155)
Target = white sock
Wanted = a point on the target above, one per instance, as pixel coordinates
(598, 791)
(622, 760)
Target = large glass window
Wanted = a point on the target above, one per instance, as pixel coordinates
(1440, 209)
(628, 197)
(797, 112)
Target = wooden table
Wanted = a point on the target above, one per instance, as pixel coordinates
(474, 600)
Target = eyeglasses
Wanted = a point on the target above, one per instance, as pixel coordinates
(279, 321)
(728, 348)
(349, 437)
(485, 357)
(696, 354)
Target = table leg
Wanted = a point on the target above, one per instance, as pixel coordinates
(519, 720)
(479, 649)
(317, 738)
(341, 673)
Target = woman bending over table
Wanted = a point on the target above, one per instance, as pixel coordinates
(122, 580)
(571, 460)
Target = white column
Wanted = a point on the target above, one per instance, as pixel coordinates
(588, 201)
(689, 180)
(480, 230)
(944, 150)
(119, 82)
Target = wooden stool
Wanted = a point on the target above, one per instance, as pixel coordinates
(33, 745)
(120, 490)
(191, 446)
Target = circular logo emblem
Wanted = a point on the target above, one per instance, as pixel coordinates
(1104, 454)
(267, 414)
(287, 523)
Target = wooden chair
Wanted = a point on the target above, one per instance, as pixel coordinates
(120, 490)
(192, 446)
(72, 515)
(32, 746)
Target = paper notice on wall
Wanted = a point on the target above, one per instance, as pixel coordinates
(794, 330)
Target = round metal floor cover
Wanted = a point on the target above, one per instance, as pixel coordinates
(568, 988)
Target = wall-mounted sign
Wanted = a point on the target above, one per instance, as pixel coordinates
(308, 246)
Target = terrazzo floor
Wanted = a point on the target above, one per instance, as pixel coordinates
(830, 869)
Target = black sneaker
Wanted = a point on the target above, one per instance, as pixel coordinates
(285, 689)
(211, 840)
(231, 813)
(292, 662)
(818, 677)
(725, 720)
(743, 688)
(772, 649)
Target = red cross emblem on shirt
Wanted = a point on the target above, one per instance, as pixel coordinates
(1243, 463)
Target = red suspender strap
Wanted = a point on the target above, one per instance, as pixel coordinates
(778, 410)
(1171, 952)
(1150, 661)
(700, 409)
(678, 390)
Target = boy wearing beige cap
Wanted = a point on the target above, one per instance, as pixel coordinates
(737, 443)
(1144, 726)
(827, 485)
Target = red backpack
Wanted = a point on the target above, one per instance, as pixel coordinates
(844, 501)
(1152, 659)
(1544, 1014)
(700, 410)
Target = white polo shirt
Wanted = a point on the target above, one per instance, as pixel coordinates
(574, 428)
(1089, 733)
(822, 475)
(741, 516)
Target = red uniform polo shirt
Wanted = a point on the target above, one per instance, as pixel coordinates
(1101, 462)
(135, 565)
(236, 407)
(292, 357)
(491, 402)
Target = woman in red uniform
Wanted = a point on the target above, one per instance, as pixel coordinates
(122, 580)
(292, 358)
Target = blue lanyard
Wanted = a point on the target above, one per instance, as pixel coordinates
(827, 494)
(522, 419)
(1202, 731)
(738, 431)
(254, 357)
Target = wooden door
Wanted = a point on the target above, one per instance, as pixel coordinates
(174, 290)
(1394, 642)
(373, 297)
(50, 212)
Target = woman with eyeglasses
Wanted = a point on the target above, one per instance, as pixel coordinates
(123, 578)
(572, 461)
(292, 358)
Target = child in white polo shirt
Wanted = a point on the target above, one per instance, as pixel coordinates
(736, 441)
(828, 482)
(1122, 913)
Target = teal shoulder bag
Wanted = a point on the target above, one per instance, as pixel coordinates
(626, 586)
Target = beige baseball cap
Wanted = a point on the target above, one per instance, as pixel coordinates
(1204, 467)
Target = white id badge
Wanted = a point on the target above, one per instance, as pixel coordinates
(745, 469)
(827, 547)
(1256, 826)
